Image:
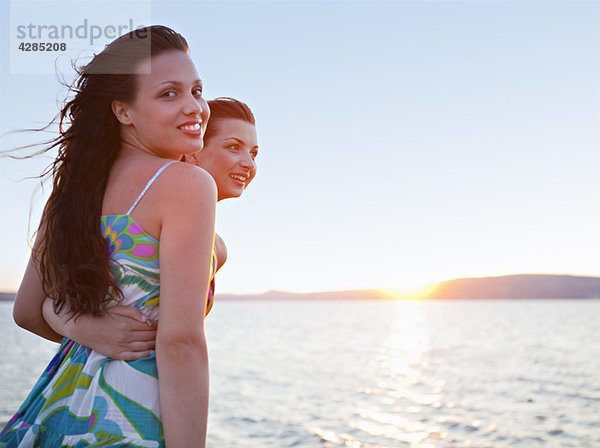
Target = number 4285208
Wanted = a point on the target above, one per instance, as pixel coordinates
(43, 46)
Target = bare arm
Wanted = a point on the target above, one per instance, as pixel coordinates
(121, 333)
(27, 309)
(186, 243)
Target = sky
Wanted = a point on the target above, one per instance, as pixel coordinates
(401, 142)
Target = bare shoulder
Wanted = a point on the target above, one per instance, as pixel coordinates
(183, 175)
(183, 184)
(186, 194)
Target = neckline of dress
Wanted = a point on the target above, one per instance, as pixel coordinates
(133, 221)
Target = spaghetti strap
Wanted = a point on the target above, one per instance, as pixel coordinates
(150, 182)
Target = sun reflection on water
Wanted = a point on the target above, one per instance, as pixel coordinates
(401, 389)
(403, 401)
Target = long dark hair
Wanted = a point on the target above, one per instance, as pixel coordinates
(72, 255)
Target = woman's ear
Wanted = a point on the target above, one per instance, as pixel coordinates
(121, 111)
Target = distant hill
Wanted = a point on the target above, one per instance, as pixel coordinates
(521, 286)
(363, 294)
(7, 296)
(367, 294)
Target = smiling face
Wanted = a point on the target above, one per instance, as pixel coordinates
(168, 116)
(229, 156)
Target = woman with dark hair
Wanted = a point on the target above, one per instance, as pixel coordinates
(125, 332)
(137, 110)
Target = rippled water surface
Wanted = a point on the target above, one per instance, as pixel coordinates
(383, 374)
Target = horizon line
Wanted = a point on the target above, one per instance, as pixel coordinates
(425, 285)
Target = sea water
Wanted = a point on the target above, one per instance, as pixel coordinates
(383, 374)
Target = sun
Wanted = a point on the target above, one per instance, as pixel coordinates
(418, 293)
